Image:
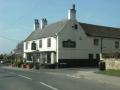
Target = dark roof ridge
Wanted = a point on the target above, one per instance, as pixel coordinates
(55, 22)
(99, 25)
(47, 31)
(100, 31)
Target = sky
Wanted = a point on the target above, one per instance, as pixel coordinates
(17, 16)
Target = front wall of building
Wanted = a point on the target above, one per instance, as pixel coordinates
(42, 53)
(84, 44)
(44, 45)
(84, 50)
(109, 45)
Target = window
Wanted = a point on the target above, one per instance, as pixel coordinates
(75, 26)
(33, 46)
(96, 42)
(40, 44)
(97, 56)
(116, 44)
(69, 44)
(49, 42)
(26, 45)
(90, 56)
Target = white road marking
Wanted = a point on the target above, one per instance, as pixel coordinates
(25, 77)
(49, 86)
(73, 76)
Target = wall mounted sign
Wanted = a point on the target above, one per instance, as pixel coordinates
(69, 44)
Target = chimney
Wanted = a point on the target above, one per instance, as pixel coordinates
(43, 23)
(72, 13)
(36, 24)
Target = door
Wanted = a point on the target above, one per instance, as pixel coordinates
(49, 58)
(91, 60)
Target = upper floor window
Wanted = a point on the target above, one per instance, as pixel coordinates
(116, 44)
(49, 42)
(75, 26)
(26, 45)
(33, 46)
(96, 42)
(40, 44)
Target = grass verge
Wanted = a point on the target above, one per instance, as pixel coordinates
(110, 72)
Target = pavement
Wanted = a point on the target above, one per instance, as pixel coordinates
(78, 73)
(90, 74)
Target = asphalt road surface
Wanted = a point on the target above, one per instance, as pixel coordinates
(42, 80)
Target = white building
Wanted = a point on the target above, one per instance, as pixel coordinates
(71, 42)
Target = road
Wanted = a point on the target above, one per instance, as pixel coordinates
(43, 80)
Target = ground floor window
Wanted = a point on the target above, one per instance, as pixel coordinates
(90, 56)
(41, 57)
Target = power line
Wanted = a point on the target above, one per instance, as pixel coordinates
(21, 17)
(17, 20)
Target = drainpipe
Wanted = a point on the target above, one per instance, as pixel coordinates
(101, 48)
(57, 66)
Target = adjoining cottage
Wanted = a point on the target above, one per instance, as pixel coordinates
(70, 42)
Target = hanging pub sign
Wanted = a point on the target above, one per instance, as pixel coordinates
(69, 44)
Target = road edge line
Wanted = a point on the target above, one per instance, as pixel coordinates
(48, 86)
(25, 77)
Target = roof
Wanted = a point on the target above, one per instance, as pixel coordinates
(101, 31)
(90, 30)
(48, 31)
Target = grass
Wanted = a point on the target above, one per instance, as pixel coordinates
(110, 72)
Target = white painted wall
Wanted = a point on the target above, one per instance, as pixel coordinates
(84, 43)
(109, 45)
(44, 45)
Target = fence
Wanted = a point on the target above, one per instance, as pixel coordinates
(112, 63)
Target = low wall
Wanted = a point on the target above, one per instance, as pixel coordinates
(112, 64)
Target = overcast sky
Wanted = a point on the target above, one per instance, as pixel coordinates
(17, 16)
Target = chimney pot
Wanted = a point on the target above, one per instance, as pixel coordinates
(74, 6)
(36, 24)
(43, 23)
(72, 13)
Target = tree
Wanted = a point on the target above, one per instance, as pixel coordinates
(1, 56)
(18, 52)
(19, 48)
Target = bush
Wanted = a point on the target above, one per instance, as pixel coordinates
(23, 65)
(19, 64)
(31, 65)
